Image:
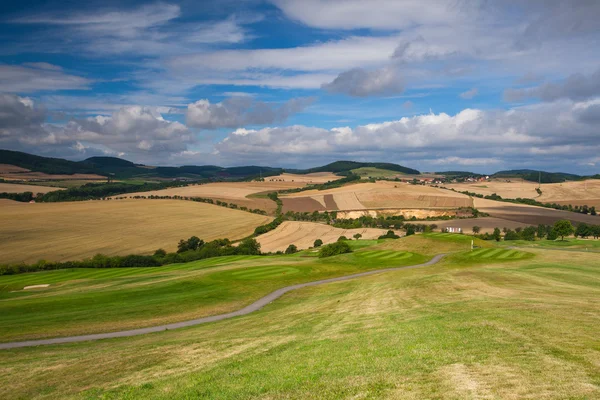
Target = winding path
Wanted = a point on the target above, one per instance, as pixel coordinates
(257, 305)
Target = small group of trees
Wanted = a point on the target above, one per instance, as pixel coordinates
(390, 235)
(333, 249)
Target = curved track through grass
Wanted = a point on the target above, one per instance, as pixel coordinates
(257, 305)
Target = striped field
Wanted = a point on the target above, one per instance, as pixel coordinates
(496, 254)
(384, 255)
(259, 273)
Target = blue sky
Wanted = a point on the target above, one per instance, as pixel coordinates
(437, 85)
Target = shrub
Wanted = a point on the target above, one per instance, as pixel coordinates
(318, 243)
(291, 249)
(334, 249)
(389, 235)
(342, 238)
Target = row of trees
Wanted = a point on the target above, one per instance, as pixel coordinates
(188, 250)
(560, 229)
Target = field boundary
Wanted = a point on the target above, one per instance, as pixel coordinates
(257, 305)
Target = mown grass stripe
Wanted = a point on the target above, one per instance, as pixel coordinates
(492, 253)
(507, 254)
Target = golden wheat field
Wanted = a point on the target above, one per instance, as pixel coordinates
(304, 234)
(75, 230)
(18, 188)
(575, 193)
(378, 195)
(232, 192)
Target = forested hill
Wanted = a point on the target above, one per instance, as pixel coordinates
(344, 167)
(534, 176)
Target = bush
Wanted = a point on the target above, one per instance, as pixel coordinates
(389, 235)
(291, 249)
(342, 238)
(334, 249)
(318, 243)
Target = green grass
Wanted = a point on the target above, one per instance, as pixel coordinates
(526, 329)
(81, 301)
(569, 243)
(488, 255)
(375, 172)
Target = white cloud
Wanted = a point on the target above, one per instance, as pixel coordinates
(34, 77)
(377, 14)
(239, 111)
(469, 94)
(471, 137)
(576, 87)
(362, 83)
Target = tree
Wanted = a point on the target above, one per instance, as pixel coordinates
(496, 234)
(249, 246)
(593, 210)
(511, 235)
(357, 236)
(583, 230)
(194, 242)
(182, 246)
(410, 230)
(342, 238)
(476, 229)
(160, 253)
(529, 233)
(541, 231)
(334, 249)
(291, 249)
(318, 243)
(563, 228)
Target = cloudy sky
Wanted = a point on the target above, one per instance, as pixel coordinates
(434, 85)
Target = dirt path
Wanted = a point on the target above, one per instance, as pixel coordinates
(257, 305)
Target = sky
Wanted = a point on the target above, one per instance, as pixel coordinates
(434, 85)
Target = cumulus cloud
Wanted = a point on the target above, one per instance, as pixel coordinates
(469, 94)
(33, 77)
(136, 131)
(359, 82)
(575, 87)
(471, 137)
(240, 111)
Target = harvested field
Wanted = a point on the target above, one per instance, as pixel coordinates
(575, 193)
(508, 190)
(40, 176)
(317, 177)
(530, 215)
(18, 188)
(364, 196)
(302, 204)
(231, 192)
(571, 192)
(7, 169)
(304, 234)
(75, 230)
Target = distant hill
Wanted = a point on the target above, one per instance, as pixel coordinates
(534, 176)
(458, 173)
(109, 162)
(45, 164)
(121, 169)
(344, 167)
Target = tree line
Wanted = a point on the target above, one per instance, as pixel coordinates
(560, 229)
(188, 250)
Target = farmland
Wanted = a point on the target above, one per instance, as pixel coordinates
(75, 230)
(379, 195)
(240, 193)
(530, 215)
(575, 192)
(19, 188)
(304, 234)
(507, 324)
